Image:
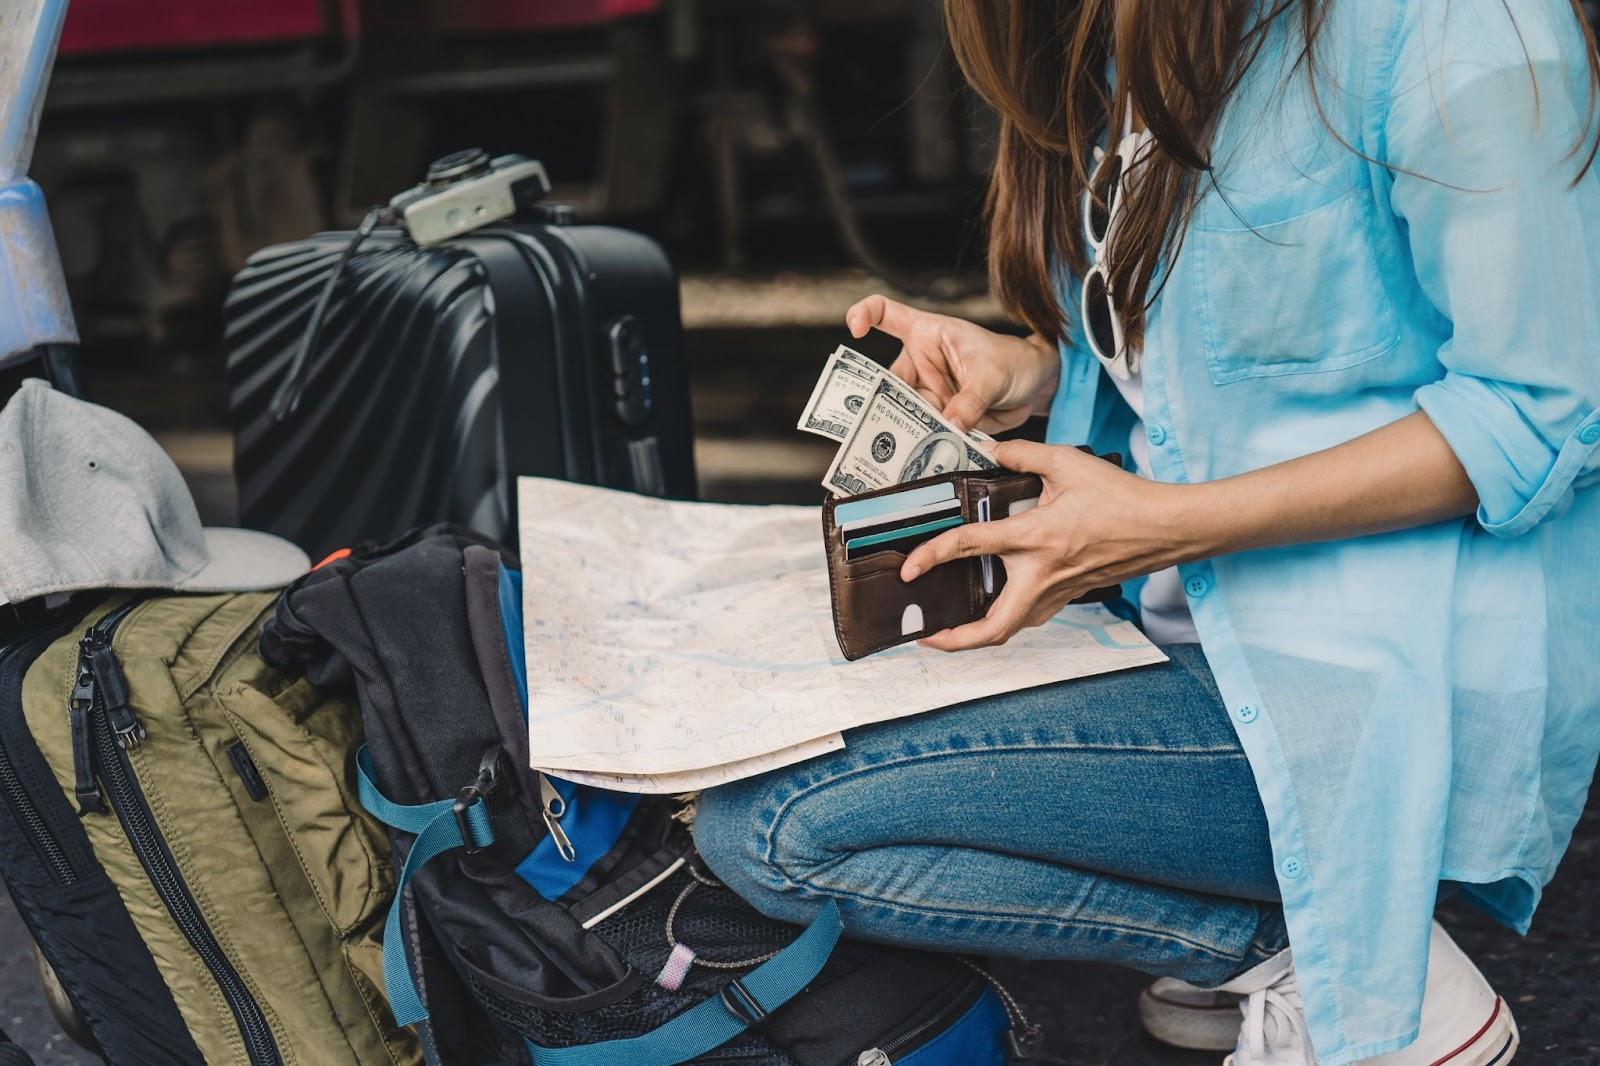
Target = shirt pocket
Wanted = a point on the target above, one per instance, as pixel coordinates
(1298, 296)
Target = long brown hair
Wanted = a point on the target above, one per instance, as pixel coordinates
(1041, 64)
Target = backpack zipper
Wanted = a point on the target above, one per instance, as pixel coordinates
(879, 1056)
(13, 663)
(98, 684)
(110, 732)
(1024, 1036)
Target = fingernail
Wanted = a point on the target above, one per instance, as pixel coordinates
(910, 572)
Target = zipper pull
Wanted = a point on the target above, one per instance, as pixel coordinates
(79, 706)
(1023, 1035)
(1024, 1042)
(114, 696)
(555, 808)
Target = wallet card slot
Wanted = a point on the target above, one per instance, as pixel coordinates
(884, 559)
(1005, 495)
(903, 538)
(909, 517)
(883, 611)
(986, 562)
(898, 498)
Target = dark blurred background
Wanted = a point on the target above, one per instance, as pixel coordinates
(792, 156)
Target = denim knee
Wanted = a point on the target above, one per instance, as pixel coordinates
(733, 831)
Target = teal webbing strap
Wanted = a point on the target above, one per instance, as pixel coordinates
(437, 831)
(720, 1018)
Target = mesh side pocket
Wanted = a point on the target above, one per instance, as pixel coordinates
(712, 921)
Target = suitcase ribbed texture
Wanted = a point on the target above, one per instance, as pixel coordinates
(399, 424)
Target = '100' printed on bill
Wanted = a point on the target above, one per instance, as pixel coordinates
(890, 434)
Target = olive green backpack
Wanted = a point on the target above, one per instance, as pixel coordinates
(219, 797)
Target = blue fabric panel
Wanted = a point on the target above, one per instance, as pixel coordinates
(595, 817)
(976, 1039)
(511, 623)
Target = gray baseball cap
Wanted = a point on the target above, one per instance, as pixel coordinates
(88, 500)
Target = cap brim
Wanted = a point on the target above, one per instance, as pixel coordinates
(243, 560)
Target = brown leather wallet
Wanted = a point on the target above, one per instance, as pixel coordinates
(874, 610)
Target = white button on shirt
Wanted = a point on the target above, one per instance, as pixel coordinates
(1422, 705)
(1163, 610)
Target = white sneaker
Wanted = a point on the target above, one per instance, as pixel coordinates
(1463, 1022)
(1188, 1016)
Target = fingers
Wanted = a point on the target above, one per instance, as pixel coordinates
(966, 409)
(1029, 457)
(905, 368)
(880, 312)
(974, 538)
(1007, 615)
(926, 373)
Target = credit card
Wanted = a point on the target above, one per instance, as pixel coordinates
(927, 511)
(901, 525)
(922, 531)
(986, 562)
(893, 502)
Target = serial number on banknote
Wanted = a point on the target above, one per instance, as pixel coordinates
(890, 434)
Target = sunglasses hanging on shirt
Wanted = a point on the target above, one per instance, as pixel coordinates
(1102, 209)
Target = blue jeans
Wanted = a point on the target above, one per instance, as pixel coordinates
(1113, 818)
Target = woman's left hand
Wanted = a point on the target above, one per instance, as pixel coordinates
(1095, 525)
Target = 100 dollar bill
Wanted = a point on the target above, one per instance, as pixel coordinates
(899, 437)
(840, 394)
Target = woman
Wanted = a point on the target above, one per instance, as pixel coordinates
(1340, 310)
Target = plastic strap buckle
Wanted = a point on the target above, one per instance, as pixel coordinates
(474, 794)
(742, 1004)
(468, 798)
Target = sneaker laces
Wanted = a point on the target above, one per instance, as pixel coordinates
(1274, 1016)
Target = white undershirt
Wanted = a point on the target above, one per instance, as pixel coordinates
(1163, 607)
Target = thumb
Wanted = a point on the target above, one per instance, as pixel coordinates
(880, 312)
(1028, 456)
(966, 409)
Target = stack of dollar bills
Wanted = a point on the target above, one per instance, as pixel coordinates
(888, 433)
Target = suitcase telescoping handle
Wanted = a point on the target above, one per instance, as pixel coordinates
(286, 401)
(463, 191)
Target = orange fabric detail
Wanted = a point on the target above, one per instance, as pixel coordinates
(342, 553)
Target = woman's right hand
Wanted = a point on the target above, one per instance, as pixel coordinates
(977, 378)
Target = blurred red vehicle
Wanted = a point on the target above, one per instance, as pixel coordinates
(181, 135)
(98, 26)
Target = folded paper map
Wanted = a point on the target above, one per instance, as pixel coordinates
(674, 645)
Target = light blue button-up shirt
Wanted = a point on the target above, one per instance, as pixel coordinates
(1424, 705)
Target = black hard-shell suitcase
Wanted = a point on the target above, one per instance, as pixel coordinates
(441, 373)
(11, 1054)
(71, 908)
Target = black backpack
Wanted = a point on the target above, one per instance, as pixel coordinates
(72, 910)
(11, 1054)
(560, 925)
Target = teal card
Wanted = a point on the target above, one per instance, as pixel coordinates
(888, 535)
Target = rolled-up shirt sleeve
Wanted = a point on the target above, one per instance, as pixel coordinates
(1483, 112)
